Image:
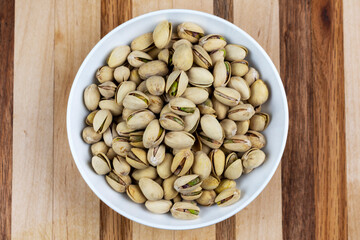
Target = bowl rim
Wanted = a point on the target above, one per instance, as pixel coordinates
(220, 218)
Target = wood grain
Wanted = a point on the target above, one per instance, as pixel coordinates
(351, 20)
(263, 217)
(75, 207)
(7, 19)
(112, 224)
(33, 167)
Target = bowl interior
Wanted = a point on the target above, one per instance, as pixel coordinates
(251, 185)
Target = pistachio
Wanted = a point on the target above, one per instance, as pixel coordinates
(136, 139)
(212, 42)
(209, 142)
(151, 190)
(121, 167)
(121, 74)
(102, 121)
(136, 157)
(176, 83)
(165, 55)
(142, 87)
(153, 135)
(99, 147)
(136, 100)
(156, 103)
(222, 73)
(242, 127)
(111, 154)
(172, 122)
(149, 172)
(101, 164)
(183, 57)
(193, 195)
(259, 121)
(155, 85)
(205, 148)
(144, 42)
(217, 158)
(197, 95)
(259, 93)
(118, 56)
(187, 183)
(192, 121)
(121, 146)
(218, 55)
(207, 198)
(153, 68)
(228, 197)
(257, 139)
(139, 119)
(111, 105)
(184, 210)
(159, 206)
(179, 139)
(240, 85)
(211, 127)
(135, 194)
(90, 118)
(251, 76)
(104, 74)
(190, 31)
(181, 42)
(156, 155)
(135, 77)
(164, 168)
(235, 52)
(227, 96)
(210, 183)
(168, 186)
(206, 107)
(200, 77)
(201, 57)
(162, 34)
(166, 109)
(91, 97)
(182, 106)
(229, 127)
(182, 162)
(225, 184)
(107, 89)
(241, 112)
(234, 170)
(90, 136)
(118, 182)
(238, 143)
(253, 158)
(202, 165)
(220, 109)
(138, 58)
(123, 89)
(123, 130)
(239, 68)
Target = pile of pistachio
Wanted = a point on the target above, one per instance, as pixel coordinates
(176, 119)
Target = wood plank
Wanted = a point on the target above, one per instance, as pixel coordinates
(75, 207)
(263, 217)
(113, 225)
(7, 25)
(33, 167)
(352, 113)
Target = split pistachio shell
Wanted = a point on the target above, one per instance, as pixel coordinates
(220, 109)
(136, 100)
(253, 158)
(228, 197)
(251, 76)
(235, 52)
(239, 68)
(99, 147)
(101, 164)
(190, 31)
(257, 139)
(138, 58)
(238, 143)
(218, 55)
(227, 96)
(200, 77)
(162, 34)
(201, 57)
(136, 157)
(118, 182)
(164, 168)
(179, 139)
(153, 68)
(212, 42)
(184, 210)
(207, 198)
(149, 172)
(242, 127)
(136, 139)
(155, 85)
(210, 183)
(202, 165)
(172, 122)
(225, 184)
(182, 106)
(153, 134)
(168, 186)
(151, 190)
(135, 77)
(192, 121)
(182, 162)
(90, 136)
(91, 97)
(123, 89)
(135, 194)
(176, 83)
(187, 183)
(111, 105)
(104, 74)
(259, 93)
(123, 130)
(183, 57)
(118, 56)
(121, 167)
(230, 158)
(193, 195)
(156, 155)
(217, 158)
(229, 127)
(181, 42)
(241, 112)
(144, 42)
(197, 95)
(102, 121)
(156, 103)
(121, 74)
(90, 118)
(165, 55)
(240, 85)
(107, 89)
(259, 121)
(211, 127)
(234, 170)
(159, 206)
(121, 146)
(222, 73)
(139, 119)
(214, 144)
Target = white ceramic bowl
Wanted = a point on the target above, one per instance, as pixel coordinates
(251, 185)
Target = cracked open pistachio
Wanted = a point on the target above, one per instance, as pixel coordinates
(193, 195)
(90, 118)
(206, 107)
(197, 95)
(99, 147)
(190, 31)
(162, 34)
(122, 90)
(90, 136)
(101, 164)
(218, 55)
(222, 73)
(118, 56)
(257, 139)
(212, 42)
(120, 165)
(172, 122)
(187, 183)
(234, 170)
(136, 100)
(104, 74)
(102, 121)
(201, 57)
(200, 77)
(239, 68)
(259, 121)
(182, 162)
(228, 197)
(121, 74)
(136, 157)
(156, 155)
(240, 85)
(91, 97)
(184, 210)
(241, 112)
(165, 55)
(118, 182)
(151, 189)
(159, 206)
(251, 76)
(176, 83)
(259, 93)
(179, 139)
(107, 89)
(140, 119)
(138, 58)
(217, 158)
(135, 194)
(235, 52)
(144, 42)
(238, 143)
(253, 158)
(227, 96)
(182, 106)
(183, 57)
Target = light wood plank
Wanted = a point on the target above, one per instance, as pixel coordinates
(76, 208)
(33, 166)
(263, 217)
(352, 111)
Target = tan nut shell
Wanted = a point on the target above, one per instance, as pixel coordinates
(151, 190)
(182, 162)
(211, 127)
(91, 97)
(164, 168)
(159, 206)
(202, 165)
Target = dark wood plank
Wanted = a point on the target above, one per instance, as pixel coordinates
(112, 224)
(227, 228)
(313, 169)
(7, 17)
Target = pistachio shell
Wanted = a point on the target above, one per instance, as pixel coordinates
(151, 190)
(251, 76)
(156, 155)
(153, 68)
(101, 164)
(123, 89)
(172, 122)
(91, 97)
(218, 55)
(139, 119)
(90, 118)
(227, 96)
(118, 182)
(111, 105)
(201, 57)
(156, 103)
(259, 93)
(162, 34)
(212, 42)
(217, 158)
(111, 154)
(240, 85)
(228, 197)
(155, 85)
(135, 77)
(202, 165)
(210, 183)
(136, 139)
(181, 42)
(143, 42)
(222, 73)
(99, 147)
(165, 55)
(90, 136)
(102, 121)
(104, 74)
(197, 95)
(123, 130)
(190, 31)
(183, 57)
(136, 157)
(253, 158)
(149, 172)
(220, 109)
(135, 194)
(159, 206)
(229, 127)
(182, 162)
(121, 146)
(211, 127)
(257, 139)
(209, 142)
(121, 74)
(118, 56)
(193, 195)
(200, 77)
(164, 168)
(138, 58)
(121, 167)
(136, 100)
(107, 89)
(225, 184)
(238, 143)
(242, 127)
(168, 186)
(239, 68)
(176, 83)
(192, 121)
(153, 135)
(179, 139)
(184, 210)
(154, 52)
(182, 106)
(234, 170)
(241, 112)
(207, 198)
(187, 183)
(235, 52)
